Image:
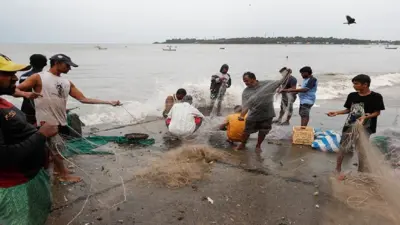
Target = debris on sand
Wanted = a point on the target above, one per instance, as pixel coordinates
(183, 166)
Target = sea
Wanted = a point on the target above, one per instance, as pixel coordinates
(142, 76)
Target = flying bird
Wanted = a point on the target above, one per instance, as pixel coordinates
(350, 20)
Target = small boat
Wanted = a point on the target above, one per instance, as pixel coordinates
(222, 48)
(100, 48)
(169, 49)
(388, 47)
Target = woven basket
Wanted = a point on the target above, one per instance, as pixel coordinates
(303, 135)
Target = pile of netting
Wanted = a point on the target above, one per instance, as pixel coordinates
(183, 166)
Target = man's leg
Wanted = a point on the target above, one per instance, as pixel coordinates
(265, 127)
(304, 112)
(290, 112)
(346, 143)
(282, 111)
(57, 147)
(250, 128)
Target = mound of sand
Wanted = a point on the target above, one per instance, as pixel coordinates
(183, 166)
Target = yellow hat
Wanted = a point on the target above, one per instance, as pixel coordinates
(7, 65)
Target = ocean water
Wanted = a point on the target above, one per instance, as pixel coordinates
(141, 76)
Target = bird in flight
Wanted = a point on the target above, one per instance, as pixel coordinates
(350, 20)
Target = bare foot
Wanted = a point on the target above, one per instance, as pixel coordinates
(240, 147)
(286, 123)
(70, 179)
(340, 176)
(56, 173)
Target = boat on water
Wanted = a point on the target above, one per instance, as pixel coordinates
(169, 49)
(222, 48)
(100, 48)
(390, 47)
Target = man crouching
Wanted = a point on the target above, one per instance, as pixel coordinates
(183, 118)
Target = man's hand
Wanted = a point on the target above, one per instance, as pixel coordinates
(332, 114)
(48, 130)
(31, 95)
(362, 119)
(115, 103)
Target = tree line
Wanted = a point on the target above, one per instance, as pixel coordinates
(278, 40)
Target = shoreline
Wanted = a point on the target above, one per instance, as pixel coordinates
(273, 187)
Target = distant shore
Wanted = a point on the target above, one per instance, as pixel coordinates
(280, 40)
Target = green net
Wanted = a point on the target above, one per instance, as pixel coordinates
(28, 203)
(382, 143)
(87, 146)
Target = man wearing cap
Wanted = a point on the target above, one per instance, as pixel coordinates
(25, 196)
(38, 62)
(55, 90)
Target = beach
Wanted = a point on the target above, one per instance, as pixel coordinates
(277, 186)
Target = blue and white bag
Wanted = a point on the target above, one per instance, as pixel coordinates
(326, 141)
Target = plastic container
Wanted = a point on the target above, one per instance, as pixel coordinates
(303, 135)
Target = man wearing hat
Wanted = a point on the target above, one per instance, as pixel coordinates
(51, 107)
(25, 196)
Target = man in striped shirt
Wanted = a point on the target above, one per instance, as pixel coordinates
(38, 62)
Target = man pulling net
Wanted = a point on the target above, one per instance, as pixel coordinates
(258, 102)
(219, 83)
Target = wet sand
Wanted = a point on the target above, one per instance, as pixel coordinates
(276, 186)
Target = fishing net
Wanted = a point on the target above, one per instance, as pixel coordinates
(183, 166)
(377, 189)
(28, 203)
(388, 143)
(86, 146)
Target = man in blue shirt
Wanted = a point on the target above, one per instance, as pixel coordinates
(38, 62)
(307, 94)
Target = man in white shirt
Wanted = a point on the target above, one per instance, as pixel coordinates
(183, 118)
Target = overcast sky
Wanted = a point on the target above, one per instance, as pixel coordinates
(146, 21)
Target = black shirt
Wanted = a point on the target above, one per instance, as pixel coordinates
(22, 148)
(28, 105)
(361, 105)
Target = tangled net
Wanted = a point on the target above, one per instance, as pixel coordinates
(376, 190)
(181, 167)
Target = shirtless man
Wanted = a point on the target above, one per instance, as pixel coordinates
(172, 99)
(51, 108)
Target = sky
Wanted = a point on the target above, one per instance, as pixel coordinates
(147, 21)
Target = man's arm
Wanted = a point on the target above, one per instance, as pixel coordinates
(224, 125)
(379, 105)
(245, 107)
(78, 95)
(169, 102)
(27, 85)
(295, 90)
(310, 84)
(14, 154)
(229, 84)
(196, 112)
(347, 105)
